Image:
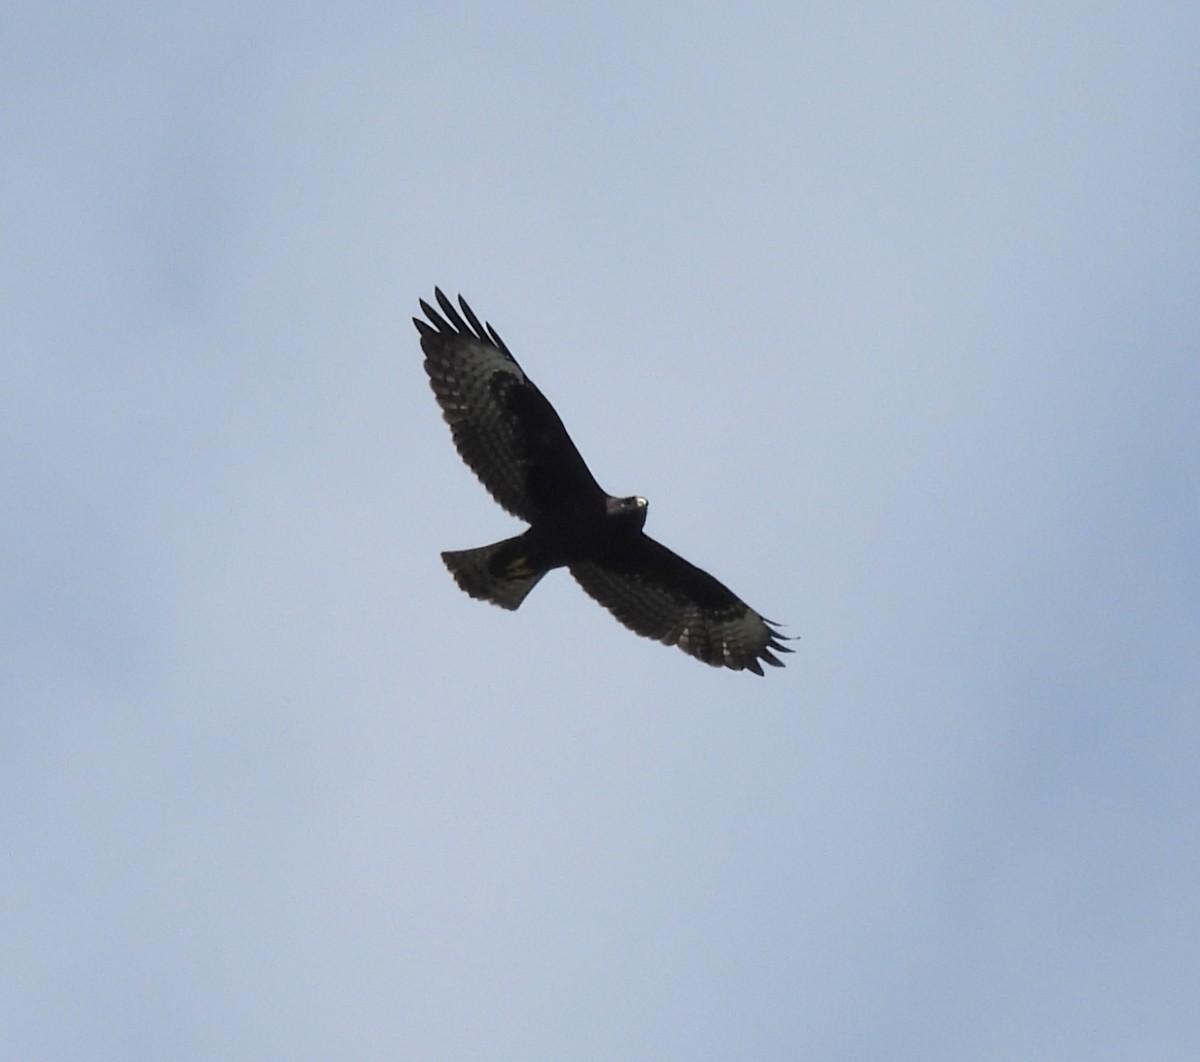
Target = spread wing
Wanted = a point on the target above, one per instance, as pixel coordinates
(660, 595)
(503, 426)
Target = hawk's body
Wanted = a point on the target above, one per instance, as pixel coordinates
(512, 438)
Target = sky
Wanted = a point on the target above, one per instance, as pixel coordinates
(890, 311)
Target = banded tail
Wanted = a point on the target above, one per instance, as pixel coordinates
(499, 573)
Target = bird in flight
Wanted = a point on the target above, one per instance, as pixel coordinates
(510, 436)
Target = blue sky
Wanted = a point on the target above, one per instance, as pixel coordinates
(891, 313)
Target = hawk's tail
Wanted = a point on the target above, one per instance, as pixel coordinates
(499, 573)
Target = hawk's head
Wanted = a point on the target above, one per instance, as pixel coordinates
(630, 512)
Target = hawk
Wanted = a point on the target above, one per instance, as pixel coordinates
(510, 436)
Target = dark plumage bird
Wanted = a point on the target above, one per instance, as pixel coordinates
(511, 437)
